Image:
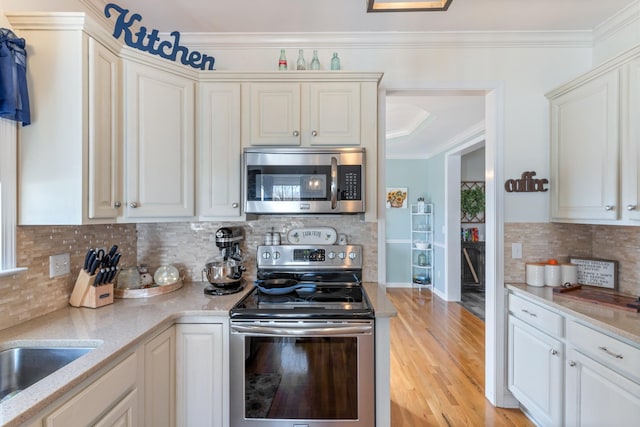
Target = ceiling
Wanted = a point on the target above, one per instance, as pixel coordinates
(350, 15)
(447, 116)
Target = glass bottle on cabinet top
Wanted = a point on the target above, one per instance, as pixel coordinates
(422, 243)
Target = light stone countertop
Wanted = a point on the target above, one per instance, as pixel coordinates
(624, 323)
(116, 329)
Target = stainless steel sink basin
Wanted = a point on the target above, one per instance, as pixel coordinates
(21, 367)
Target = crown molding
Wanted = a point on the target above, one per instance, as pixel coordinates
(364, 40)
(623, 19)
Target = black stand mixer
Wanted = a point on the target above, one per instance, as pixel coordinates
(225, 272)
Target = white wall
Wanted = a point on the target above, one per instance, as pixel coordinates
(617, 34)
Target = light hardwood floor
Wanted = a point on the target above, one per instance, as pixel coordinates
(437, 365)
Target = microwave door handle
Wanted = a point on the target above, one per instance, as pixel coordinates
(334, 183)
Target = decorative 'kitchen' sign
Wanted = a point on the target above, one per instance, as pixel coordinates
(150, 42)
(526, 184)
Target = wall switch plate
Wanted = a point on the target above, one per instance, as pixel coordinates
(59, 265)
(516, 250)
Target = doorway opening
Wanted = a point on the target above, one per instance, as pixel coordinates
(447, 245)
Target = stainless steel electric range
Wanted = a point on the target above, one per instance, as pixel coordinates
(302, 342)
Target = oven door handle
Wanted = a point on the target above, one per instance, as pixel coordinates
(334, 182)
(333, 330)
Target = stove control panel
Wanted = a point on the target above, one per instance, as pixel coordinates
(306, 256)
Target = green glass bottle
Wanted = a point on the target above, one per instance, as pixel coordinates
(315, 63)
(335, 61)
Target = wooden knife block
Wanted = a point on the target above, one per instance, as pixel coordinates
(86, 295)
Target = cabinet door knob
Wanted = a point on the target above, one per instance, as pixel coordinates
(296, 133)
(234, 205)
(631, 207)
(314, 133)
(608, 208)
(554, 352)
(117, 205)
(572, 363)
(133, 205)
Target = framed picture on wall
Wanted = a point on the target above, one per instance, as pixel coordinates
(397, 197)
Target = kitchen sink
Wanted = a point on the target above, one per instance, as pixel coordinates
(21, 367)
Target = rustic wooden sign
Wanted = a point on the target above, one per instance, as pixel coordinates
(526, 184)
(596, 272)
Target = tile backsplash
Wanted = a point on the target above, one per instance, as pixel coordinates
(188, 245)
(32, 293)
(541, 241)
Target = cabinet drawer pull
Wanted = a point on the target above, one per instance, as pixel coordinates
(133, 205)
(529, 313)
(117, 205)
(296, 133)
(554, 352)
(608, 208)
(314, 133)
(631, 207)
(610, 353)
(572, 363)
(234, 205)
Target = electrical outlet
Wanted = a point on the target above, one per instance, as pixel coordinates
(59, 265)
(516, 250)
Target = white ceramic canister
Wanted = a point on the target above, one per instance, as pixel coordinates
(535, 274)
(552, 275)
(569, 273)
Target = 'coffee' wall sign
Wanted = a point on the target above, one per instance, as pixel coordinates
(150, 42)
(526, 184)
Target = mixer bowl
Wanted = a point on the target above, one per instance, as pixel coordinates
(224, 273)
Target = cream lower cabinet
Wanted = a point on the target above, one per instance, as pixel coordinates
(160, 143)
(112, 400)
(535, 360)
(602, 379)
(219, 151)
(160, 380)
(202, 374)
(535, 371)
(594, 382)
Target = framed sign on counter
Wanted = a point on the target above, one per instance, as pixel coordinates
(602, 273)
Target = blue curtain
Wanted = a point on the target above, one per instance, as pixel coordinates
(14, 96)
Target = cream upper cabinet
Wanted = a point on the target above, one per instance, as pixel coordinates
(595, 145)
(631, 142)
(160, 143)
(219, 151)
(271, 114)
(69, 157)
(585, 149)
(105, 137)
(306, 114)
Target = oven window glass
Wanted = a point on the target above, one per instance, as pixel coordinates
(288, 183)
(301, 378)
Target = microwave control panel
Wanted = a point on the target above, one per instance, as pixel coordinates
(350, 182)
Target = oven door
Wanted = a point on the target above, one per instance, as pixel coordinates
(315, 373)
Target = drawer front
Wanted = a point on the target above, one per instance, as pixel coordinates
(611, 351)
(536, 315)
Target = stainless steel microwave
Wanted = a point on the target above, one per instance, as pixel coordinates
(304, 180)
